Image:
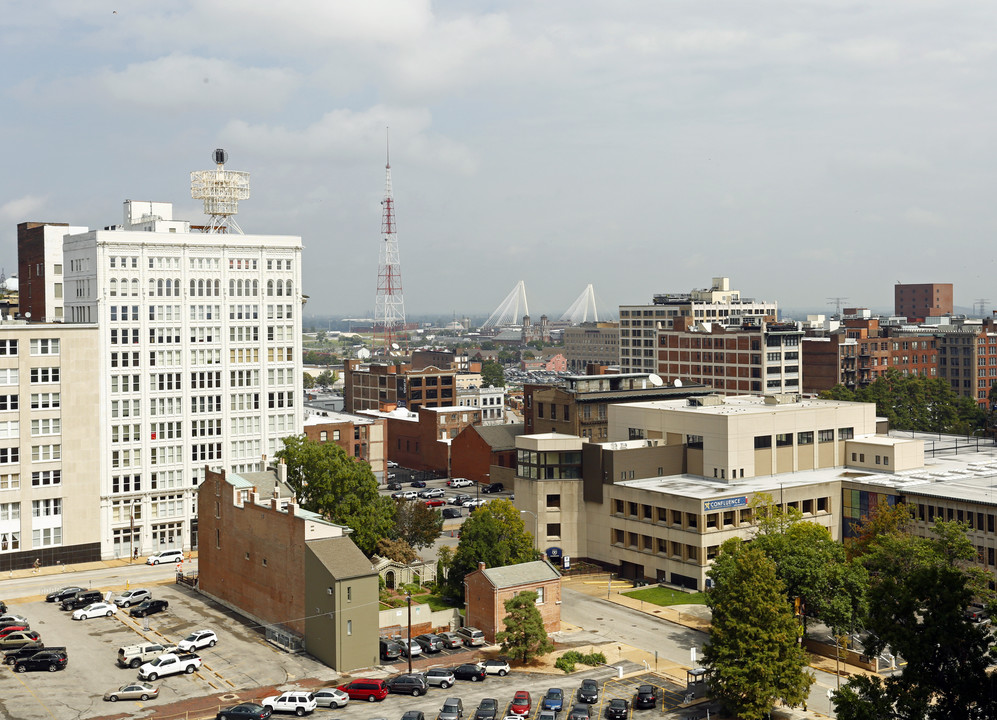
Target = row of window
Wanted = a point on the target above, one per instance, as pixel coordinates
(803, 438)
(39, 478)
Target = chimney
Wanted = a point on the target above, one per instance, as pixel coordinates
(481, 566)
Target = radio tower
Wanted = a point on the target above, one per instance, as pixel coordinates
(389, 307)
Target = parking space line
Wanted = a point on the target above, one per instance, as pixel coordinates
(37, 699)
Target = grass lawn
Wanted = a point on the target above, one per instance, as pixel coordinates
(435, 602)
(666, 596)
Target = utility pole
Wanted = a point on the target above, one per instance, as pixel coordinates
(408, 598)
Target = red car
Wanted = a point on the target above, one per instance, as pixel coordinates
(366, 689)
(435, 503)
(12, 628)
(521, 703)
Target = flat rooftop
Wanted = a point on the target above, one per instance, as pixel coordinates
(742, 405)
(323, 417)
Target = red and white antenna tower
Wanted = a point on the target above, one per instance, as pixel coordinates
(389, 307)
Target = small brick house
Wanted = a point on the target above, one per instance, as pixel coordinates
(487, 589)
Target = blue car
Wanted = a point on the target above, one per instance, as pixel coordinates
(554, 700)
(418, 483)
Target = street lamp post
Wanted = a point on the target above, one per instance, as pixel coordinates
(536, 529)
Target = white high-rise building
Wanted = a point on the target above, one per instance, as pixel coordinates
(199, 363)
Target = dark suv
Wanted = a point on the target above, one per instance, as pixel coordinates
(63, 594)
(82, 599)
(493, 488)
(430, 643)
(414, 685)
(646, 697)
(390, 650)
(50, 660)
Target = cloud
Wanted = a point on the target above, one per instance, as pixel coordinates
(922, 217)
(348, 135)
(18, 209)
(185, 83)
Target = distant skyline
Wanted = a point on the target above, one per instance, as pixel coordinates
(805, 150)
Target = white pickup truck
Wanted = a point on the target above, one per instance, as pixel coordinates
(169, 664)
(135, 655)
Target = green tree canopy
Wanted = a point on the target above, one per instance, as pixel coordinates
(417, 524)
(493, 534)
(753, 649)
(492, 374)
(524, 636)
(326, 377)
(397, 550)
(342, 489)
(307, 380)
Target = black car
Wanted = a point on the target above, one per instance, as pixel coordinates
(618, 709)
(244, 710)
(394, 485)
(390, 650)
(50, 660)
(487, 709)
(493, 488)
(646, 696)
(589, 691)
(82, 599)
(579, 711)
(417, 483)
(452, 512)
(63, 594)
(414, 685)
(12, 656)
(413, 715)
(3, 608)
(468, 671)
(148, 607)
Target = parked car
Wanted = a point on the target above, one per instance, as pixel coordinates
(646, 696)
(451, 640)
(82, 599)
(473, 502)
(165, 556)
(589, 691)
(7, 630)
(134, 656)
(493, 488)
(443, 677)
(430, 643)
(471, 636)
(487, 709)
(368, 689)
(197, 639)
(19, 639)
(394, 485)
(404, 495)
(13, 620)
(298, 702)
(553, 700)
(51, 660)
(132, 691)
(417, 484)
(410, 648)
(468, 671)
(579, 711)
(63, 593)
(459, 482)
(617, 709)
(149, 607)
(413, 715)
(438, 502)
(547, 715)
(459, 499)
(331, 698)
(432, 493)
(244, 711)
(392, 464)
(974, 613)
(414, 685)
(522, 703)
(496, 667)
(101, 609)
(453, 709)
(12, 656)
(132, 597)
(390, 650)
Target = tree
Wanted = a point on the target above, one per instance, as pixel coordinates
(493, 534)
(342, 489)
(397, 550)
(492, 374)
(326, 378)
(524, 636)
(307, 380)
(753, 650)
(416, 524)
(918, 593)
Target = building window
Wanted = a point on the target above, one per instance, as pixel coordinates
(323, 436)
(825, 436)
(349, 593)
(349, 627)
(554, 501)
(805, 438)
(784, 439)
(540, 595)
(553, 531)
(763, 441)
(846, 433)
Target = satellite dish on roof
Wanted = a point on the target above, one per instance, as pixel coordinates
(395, 346)
(655, 380)
(678, 383)
(363, 353)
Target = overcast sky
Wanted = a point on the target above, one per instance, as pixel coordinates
(805, 149)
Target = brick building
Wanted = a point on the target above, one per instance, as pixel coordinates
(421, 440)
(967, 359)
(486, 453)
(287, 568)
(487, 589)
(374, 386)
(923, 300)
(39, 266)
(360, 436)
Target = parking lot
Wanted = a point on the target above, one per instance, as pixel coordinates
(406, 478)
(241, 659)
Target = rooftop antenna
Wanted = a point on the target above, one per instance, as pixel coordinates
(221, 190)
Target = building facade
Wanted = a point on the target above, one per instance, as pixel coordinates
(922, 300)
(40, 268)
(488, 589)
(360, 436)
(199, 363)
(379, 386)
(591, 343)
(967, 359)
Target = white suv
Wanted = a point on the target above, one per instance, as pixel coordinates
(295, 701)
(198, 639)
(165, 556)
(132, 597)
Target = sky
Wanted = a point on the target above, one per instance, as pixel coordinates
(807, 149)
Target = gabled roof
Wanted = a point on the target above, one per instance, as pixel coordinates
(522, 574)
(500, 437)
(341, 557)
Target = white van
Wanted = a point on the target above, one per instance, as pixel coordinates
(165, 556)
(471, 636)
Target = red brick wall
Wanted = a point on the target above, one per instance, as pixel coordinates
(470, 456)
(274, 592)
(31, 255)
(486, 605)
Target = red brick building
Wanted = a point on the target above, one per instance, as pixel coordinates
(919, 301)
(967, 359)
(360, 436)
(421, 440)
(486, 453)
(285, 567)
(487, 589)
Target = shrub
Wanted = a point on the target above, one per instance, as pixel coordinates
(568, 661)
